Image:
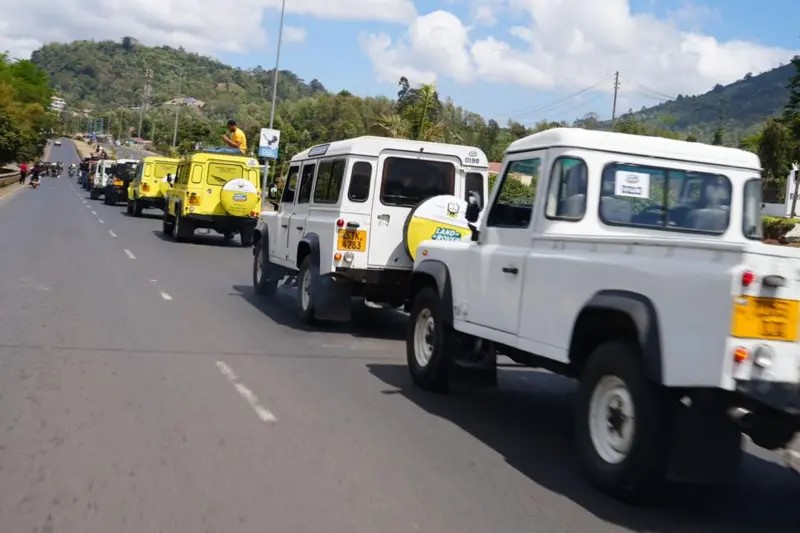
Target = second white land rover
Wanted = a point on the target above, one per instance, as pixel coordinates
(339, 226)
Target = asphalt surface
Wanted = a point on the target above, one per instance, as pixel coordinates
(144, 388)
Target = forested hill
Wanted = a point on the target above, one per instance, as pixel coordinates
(739, 108)
(112, 73)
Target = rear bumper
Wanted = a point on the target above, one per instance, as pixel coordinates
(151, 201)
(784, 397)
(222, 222)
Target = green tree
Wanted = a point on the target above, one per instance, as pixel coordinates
(776, 151)
(719, 137)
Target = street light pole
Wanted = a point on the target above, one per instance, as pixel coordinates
(274, 97)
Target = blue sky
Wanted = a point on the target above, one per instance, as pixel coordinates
(505, 59)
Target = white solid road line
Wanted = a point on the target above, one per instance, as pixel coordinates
(130, 254)
(166, 296)
(262, 412)
(112, 234)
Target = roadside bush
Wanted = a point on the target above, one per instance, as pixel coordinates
(775, 228)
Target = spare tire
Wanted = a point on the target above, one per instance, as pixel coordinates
(441, 218)
(239, 197)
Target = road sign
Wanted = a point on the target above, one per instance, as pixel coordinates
(268, 143)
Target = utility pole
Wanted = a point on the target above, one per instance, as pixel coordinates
(614, 108)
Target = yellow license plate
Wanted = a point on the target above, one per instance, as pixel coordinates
(765, 318)
(352, 240)
(118, 183)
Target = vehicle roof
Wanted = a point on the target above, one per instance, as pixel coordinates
(159, 159)
(205, 157)
(373, 146)
(127, 160)
(641, 145)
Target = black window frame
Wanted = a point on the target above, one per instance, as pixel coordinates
(666, 189)
(302, 198)
(369, 181)
(335, 163)
(560, 185)
(287, 188)
(503, 179)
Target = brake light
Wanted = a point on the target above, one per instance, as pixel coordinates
(340, 222)
(145, 187)
(740, 354)
(194, 200)
(748, 278)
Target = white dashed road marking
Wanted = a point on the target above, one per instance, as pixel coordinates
(262, 412)
(130, 254)
(100, 220)
(112, 234)
(166, 296)
(94, 212)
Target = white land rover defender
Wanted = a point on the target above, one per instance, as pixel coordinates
(635, 265)
(341, 222)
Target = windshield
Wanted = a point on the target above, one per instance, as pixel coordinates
(126, 171)
(751, 221)
(407, 182)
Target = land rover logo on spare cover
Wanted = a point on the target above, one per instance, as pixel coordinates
(239, 197)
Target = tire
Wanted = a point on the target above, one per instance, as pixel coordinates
(184, 228)
(228, 235)
(246, 236)
(306, 287)
(129, 208)
(137, 208)
(428, 342)
(93, 194)
(614, 389)
(262, 284)
(168, 225)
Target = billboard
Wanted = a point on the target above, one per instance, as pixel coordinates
(268, 143)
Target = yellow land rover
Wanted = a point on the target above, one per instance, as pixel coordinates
(151, 181)
(218, 191)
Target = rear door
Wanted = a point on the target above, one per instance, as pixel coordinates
(297, 221)
(404, 180)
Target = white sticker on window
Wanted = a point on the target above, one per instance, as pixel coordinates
(632, 184)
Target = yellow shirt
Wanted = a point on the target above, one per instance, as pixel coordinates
(239, 138)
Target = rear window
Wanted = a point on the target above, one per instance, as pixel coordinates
(407, 182)
(162, 169)
(665, 198)
(329, 182)
(360, 180)
(222, 173)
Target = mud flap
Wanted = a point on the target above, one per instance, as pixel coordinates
(332, 300)
(706, 444)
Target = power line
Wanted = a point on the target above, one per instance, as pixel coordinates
(555, 103)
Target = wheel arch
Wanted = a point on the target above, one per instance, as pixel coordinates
(433, 273)
(308, 245)
(614, 314)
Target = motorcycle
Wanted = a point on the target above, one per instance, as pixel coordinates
(71, 172)
(34, 183)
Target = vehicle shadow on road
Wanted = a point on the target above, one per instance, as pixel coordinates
(201, 239)
(144, 216)
(528, 420)
(366, 322)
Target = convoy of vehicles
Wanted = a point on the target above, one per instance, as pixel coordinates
(98, 181)
(631, 264)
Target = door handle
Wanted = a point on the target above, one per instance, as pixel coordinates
(511, 270)
(284, 225)
(299, 227)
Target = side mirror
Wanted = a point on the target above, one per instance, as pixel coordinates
(473, 207)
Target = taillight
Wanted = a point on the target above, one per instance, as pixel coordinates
(194, 200)
(740, 354)
(340, 223)
(145, 187)
(748, 278)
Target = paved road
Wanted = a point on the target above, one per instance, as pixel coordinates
(143, 388)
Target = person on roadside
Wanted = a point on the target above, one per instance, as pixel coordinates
(237, 139)
(23, 172)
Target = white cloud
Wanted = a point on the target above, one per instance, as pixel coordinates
(293, 34)
(484, 14)
(570, 44)
(184, 23)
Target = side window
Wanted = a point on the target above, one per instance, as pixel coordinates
(290, 186)
(197, 173)
(329, 182)
(513, 207)
(360, 180)
(566, 194)
(306, 183)
(474, 183)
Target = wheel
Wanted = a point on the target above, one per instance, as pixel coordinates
(93, 194)
(228, 235)
(261, 281)
(168, 225)
(621, 424)
(427, 342)
(107, 199)
(137, 208)
(129, 208)
(184, 229)
(247, 236)
(306, 285)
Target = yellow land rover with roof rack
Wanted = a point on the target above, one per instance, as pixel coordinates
(214, 190)
(151, 181)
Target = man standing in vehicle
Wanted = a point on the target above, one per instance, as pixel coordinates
(237, 139)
